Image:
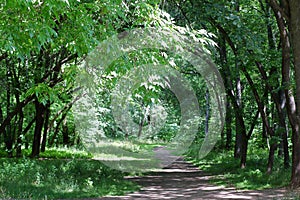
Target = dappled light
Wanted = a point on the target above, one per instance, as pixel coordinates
(149, 99)
(182, 180)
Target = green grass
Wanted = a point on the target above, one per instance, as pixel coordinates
(62, 153)
(228, 173)
(64, 173)
(59, 178)
(59, 173)
(136, 145)
(148, 145)
(70, 173)
(57, 153)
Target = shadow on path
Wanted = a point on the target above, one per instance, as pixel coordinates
(181, 180)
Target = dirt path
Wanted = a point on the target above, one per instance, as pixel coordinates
(182, 180)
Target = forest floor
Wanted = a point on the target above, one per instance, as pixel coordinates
(183, 180)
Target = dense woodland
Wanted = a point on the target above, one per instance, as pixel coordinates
(255, 45)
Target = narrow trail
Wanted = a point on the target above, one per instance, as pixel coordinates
(182, 180)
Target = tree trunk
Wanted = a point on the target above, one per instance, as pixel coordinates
(238, 140)
(283, 129)
(6, 122)
(270, 130)
(241, 144)
(280, 102)
(44, 140)
(207, 112)
(244, 148)
(8, 141)
(8, 133)
(226, 75)
(228, 126)
(36, 145)
(65, 132)
(51, 142)
(235, 96)
(141, 124)
(279, 99)
(295, 44)
(291, 14)
(19, 139)
(271, 157)
(241, 141)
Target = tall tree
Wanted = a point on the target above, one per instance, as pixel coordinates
(287, 16)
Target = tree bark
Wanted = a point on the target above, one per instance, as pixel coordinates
(36, 145)
(8, 133)
(235, 97)
(45, 131)
(51, 142)
(66, 108)
(289, 12)
(279, 99)
(228, 117)
(295, 44)
(283, 128)
(270, 130)
(65, 132)
(19, 134)
(244, 151)
(228, 126)
(207, 112)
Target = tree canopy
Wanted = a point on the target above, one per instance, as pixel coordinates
(254, 45)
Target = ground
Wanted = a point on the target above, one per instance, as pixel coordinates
(182, 180)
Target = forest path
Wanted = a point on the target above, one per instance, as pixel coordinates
(182, 180)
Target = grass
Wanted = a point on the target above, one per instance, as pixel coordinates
(70, 173)
(59, 174)
(55, 153)
(132, 146)
(64, 173)
(254, 177)
(61, 153)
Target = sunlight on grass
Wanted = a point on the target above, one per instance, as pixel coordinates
(227, 172)
(69, 172)
(53, 179)
(134, 145)
(112, 157)
(65, 153)
(127, 155)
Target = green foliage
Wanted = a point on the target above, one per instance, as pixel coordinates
(65, 153)
(53, 179)
(43, 92)
(56, 153)
(226, 171)
(43, 43)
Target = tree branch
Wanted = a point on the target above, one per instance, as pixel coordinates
(225, 34)
(276, 7)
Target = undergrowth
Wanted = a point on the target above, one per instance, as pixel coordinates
(64, 173)
(227, 172)
(59, 173)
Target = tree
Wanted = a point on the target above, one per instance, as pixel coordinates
(39, 55)
(287, 16)
(244, 56)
